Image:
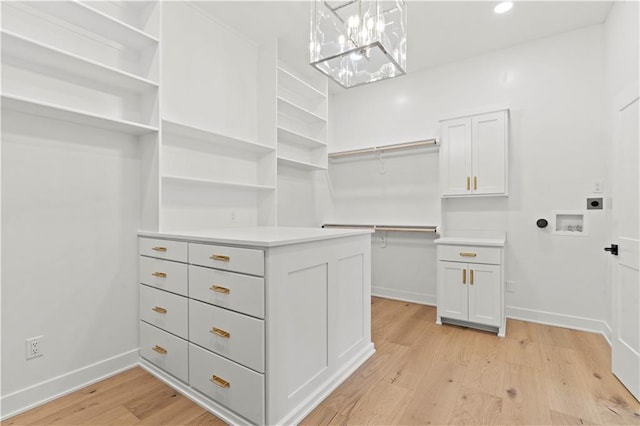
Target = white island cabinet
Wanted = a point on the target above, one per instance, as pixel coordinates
(258, 325)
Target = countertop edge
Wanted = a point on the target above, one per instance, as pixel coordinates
(254, 242)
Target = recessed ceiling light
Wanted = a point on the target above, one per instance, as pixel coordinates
(503, 7)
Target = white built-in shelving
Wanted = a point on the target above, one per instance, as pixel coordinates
(216, 183)
(302, 122)
(74, 62)
(58, 112)
(197, 133)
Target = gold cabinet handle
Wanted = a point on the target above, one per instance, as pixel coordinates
(220, 381)
(220, 257)
(219, 289)
(468, 254)
(475, 183)
(471, 277)
(464, 276)
(159, 310)
(158, 248)
(159, 274)
(468, 183)
(220, 332)
(160, 349)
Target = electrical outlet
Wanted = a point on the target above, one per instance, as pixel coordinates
(234, 218)
(511, 286)
(34, 347)
(598, 186)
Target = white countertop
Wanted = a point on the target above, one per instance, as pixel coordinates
(259, 236)
(475, 241)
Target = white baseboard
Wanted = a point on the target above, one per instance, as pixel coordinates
(30, 397)
(558, 320)
(405, 296)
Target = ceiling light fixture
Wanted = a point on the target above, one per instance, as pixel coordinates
(355, 42)
(503, 7)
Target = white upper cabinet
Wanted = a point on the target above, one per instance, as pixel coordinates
(473, 155)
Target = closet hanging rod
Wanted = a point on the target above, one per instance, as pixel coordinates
(416, 144)
(395, 228)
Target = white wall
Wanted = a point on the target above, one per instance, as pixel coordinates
(555, 90)
(622, 46)
(69, 221)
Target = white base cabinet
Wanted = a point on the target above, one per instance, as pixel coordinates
(268, 326)
(470, 288)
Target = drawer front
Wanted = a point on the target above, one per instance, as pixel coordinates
(164, 274)
(469, 254)
(164, 350)
(237, 292)
(232, 335)
(164, 310)
(247, 261)
(163, 249)
(228, 383)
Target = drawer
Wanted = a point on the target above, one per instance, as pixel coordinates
(165, 351)
(247, 261)
(227, 333)
(165, 310)
(242, 293)
(469, 254)
(163, 249)
(164, 274)
(232, 385)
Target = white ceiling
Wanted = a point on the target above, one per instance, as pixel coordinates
(438, 31)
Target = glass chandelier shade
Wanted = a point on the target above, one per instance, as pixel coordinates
(355, 42)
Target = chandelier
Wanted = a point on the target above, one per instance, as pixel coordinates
(355, 42)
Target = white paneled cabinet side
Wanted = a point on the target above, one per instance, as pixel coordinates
(473, 155)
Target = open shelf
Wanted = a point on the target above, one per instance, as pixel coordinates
(300, 164)
(293, 84)
(200, 134)
(290, 109)
(43, 109)
(292, 136)
(216, 183)
(90, 19)
(46, 58)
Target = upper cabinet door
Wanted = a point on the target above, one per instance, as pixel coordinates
(489, 147)
(473, 155)
(455, 157)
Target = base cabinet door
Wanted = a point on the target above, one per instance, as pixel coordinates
(452, 290)
(484, 294)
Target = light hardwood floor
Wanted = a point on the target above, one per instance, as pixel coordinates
(421, 373)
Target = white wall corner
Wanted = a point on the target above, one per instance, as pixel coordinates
(43, 392)
(607, 332)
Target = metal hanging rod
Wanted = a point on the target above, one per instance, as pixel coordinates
(417, 144)
(398, 228)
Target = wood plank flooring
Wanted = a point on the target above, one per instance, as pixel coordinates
(421, 374)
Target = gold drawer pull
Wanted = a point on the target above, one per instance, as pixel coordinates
(467, 254)
(159, 310)
(464, 276)
(471, 277)
(475, 183)
(468, 183)
(158, 248)
(220, 257)
(159, 274)
(160, 350)
(220, 381)
(220, 332)
(219, 289)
